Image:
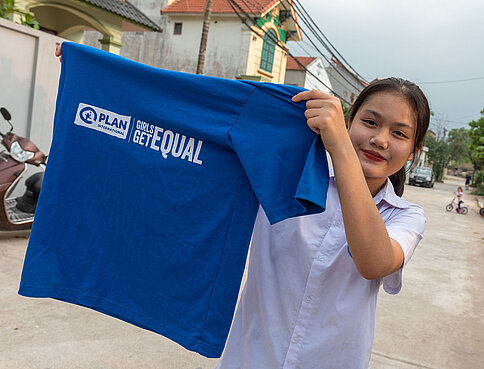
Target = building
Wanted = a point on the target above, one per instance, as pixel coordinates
(234, 49)
(307, 72)
(69, 19)
(29, 71)
(344, 82)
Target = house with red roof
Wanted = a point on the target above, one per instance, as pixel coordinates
(246, 39)
(307, 72)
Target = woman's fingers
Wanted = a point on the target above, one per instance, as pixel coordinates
(311, 95)
(58, 51)
(313, 124)
(324, 116)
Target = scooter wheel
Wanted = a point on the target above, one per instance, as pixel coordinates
(449, 207)
(464, 210)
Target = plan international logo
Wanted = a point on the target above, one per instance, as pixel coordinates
(169, 143)
(102, 120)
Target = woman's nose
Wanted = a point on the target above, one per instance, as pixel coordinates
(380, 139)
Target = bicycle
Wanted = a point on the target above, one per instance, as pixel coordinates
(462, 210)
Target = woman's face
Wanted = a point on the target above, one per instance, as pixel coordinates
(383, 133)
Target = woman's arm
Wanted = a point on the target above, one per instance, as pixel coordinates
(374, 253)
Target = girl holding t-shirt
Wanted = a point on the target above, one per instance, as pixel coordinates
(311, 291)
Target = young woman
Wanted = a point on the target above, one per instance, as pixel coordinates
(310, 297)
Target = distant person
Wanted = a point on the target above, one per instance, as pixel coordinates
(460, 196)
(468, 181)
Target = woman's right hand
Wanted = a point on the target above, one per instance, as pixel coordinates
(325, 116)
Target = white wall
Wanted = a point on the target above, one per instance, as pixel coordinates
(29, 74)
(304, 79)
(146, 47)
(227, 46)
(295, 78)
(313, 83)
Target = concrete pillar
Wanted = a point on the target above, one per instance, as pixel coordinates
(111, 43)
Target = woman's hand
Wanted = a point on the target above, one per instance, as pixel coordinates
(58, 51)
(325, 117)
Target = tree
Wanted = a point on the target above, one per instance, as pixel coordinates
(459, 141)
(476, 146)
(438, 154)
(203, 39)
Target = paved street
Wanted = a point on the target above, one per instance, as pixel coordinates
(437, 320)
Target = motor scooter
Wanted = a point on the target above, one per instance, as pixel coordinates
(17, 213)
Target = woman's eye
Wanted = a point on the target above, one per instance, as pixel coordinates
(369, 122)
(400, 133)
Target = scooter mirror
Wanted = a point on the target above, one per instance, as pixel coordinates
(6, 114)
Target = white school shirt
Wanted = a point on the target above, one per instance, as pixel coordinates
(305, 305)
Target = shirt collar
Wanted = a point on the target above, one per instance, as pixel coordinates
(387, 194)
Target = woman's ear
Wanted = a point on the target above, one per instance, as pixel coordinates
(412, 154)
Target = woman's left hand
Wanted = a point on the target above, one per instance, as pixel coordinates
(325, 117)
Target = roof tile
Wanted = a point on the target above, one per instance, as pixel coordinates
(220, 6)
(125, 9)
(304, 60)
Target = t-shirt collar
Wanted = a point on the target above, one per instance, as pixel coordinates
(387, 194)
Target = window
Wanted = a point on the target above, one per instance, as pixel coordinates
(178, 29)
(268, 48)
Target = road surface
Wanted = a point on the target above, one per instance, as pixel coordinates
(436, 321)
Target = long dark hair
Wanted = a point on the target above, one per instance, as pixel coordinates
(417, 100)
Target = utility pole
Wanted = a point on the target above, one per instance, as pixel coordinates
(203, 40)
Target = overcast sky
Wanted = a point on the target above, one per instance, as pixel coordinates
(420, 40)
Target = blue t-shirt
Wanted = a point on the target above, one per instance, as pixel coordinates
(152, 187)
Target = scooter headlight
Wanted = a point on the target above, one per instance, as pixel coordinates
(20, 154)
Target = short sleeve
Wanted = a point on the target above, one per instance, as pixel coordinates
(283, 159)
(407, 228)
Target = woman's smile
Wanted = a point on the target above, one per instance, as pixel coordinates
(373, 155)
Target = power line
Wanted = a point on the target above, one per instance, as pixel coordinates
(453, 81)
(309, 38)
(306, 22)
(304, 13)
(448, 120)
(298, 44)
(234, 4)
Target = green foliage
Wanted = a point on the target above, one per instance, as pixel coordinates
(6, 8)
(476, 145)
(29, 20)
(479, 182)
(439, 155)
(479, 178)
(346, 109)
(459, 141)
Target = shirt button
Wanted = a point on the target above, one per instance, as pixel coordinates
(320, 257)
(309, 298)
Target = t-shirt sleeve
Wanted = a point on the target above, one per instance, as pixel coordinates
(407, 228)
(283, 159)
